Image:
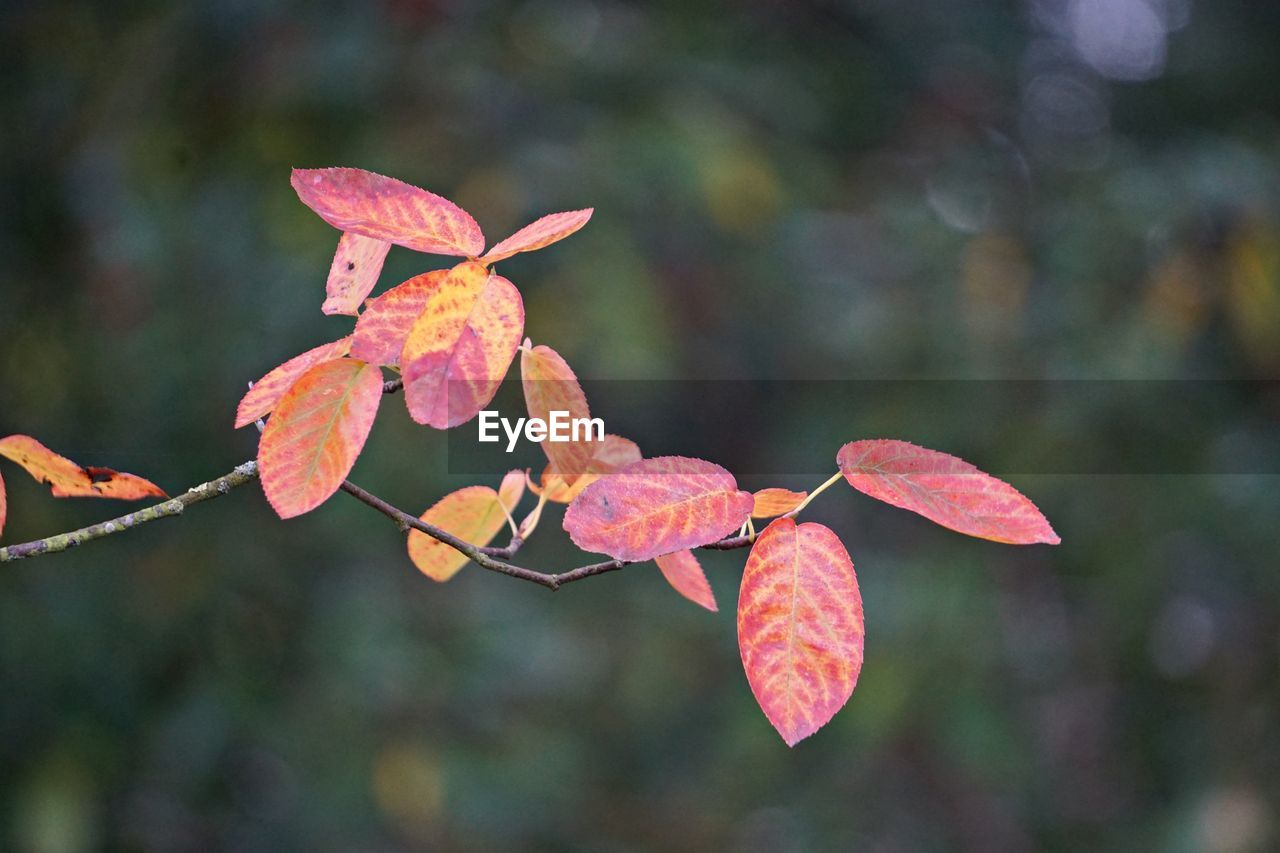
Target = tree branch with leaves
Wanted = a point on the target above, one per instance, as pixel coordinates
(449, 338)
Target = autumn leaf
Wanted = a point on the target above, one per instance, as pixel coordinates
(268, 390)
(461, 346)
(512, 489)
(386, 322)
(318, 429)
(354, 272)
(657, 506)
(771, 502)
(944, 489)
(800, 626)
(382, 208)
(551, 386)
(539, 233)
(683, 571)
(612, 454)
(69, 480)
(472, 514)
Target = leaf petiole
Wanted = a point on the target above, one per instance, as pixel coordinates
(530, 522)
(836, 477)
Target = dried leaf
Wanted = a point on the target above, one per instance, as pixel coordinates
(657, 506)
(800, 626)
(771, 502)
(318, 429)
(683, 571)
(539, 233)
(551, 386)
(355, 270)
(386, 322)
(472, 514)
(69, 480)
(267, 391)
(387, 209)
(612, 454)
(944, 489)
(461, 346)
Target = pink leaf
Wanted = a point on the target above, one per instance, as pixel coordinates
(355, 270)
(387, 209)
(800, 626)
(683, 571)
(944, 489)
(539, 233)
(657, 506)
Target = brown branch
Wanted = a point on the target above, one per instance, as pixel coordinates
(492, 559)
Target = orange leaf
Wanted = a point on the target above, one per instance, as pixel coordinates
(512, 489)
(657, 506)
(386, 322)
(318, 429)
(771, 502)
(267, 391)
(541, 232)
(551, 386)
(69, 480)
(355, 270)
(461, 346)
(944, 489)
(472, 514)
(683, 571)
(4, 505)
(612, 454)
(800, 626)
(386, 209)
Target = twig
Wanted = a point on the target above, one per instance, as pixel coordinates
(492, 559)
(175, 506)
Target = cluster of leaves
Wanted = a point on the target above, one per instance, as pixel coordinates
(452, 335)
(66, 479)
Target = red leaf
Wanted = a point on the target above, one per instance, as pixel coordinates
(944, 489)
(268, 390)
(386, 322)
(69, 480)
(386, 209)
(355, 270)
(683, 571)
(550, 386)
(461, 346)
(657, 506)
(539, 233)
(800, 626)
(771, 502)
(318, 429)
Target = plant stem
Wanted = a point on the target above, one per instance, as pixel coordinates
(168, 509)
(835, 478)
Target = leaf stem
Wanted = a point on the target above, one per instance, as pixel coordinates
(835, 478)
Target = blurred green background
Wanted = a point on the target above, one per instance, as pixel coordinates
(1067, 189)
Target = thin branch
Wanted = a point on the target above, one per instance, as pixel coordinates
(492, 559)
(168, 509)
